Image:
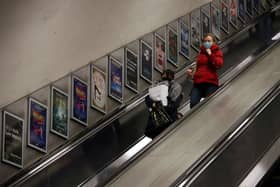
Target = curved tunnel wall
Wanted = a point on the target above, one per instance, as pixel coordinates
(41, 40)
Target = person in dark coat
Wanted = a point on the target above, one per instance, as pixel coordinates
(205, 77)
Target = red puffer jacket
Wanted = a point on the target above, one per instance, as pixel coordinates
(207, 65)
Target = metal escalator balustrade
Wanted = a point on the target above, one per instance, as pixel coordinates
(101, 177)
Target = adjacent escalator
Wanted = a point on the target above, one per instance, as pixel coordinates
(239, 154)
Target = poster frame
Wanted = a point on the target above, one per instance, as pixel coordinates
(199, 29)
(242, 19)
(257, 11)
(264, 5)
(142, 42)
(29, 124)
(72, 100)
(92, 66)
(169, 28)
(126, 50)
(110, 60)
(53, 88)
(180, 43)
(202, 12)
(247, 12)
(226, 30)
(230, 20)
(218, 35)
(5, 112)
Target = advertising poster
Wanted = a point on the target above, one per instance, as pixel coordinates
(98, 89)
(241, 10)
(37, 126)
(131, 73)
(216, 21)
(195, 29)
(249, 7)
(225, 17)
(233, 13)
(59, 112)
(172, 47)
(12, 143)
(257, 6)
(206, 9)
(79, 101)
(205, 21)
(263, 5)
(146, 61)
(116, 79)
(184, 40)
(160, 55)
(271, 2)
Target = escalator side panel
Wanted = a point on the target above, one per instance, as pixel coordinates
(235, 162)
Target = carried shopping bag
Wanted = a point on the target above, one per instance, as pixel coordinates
(159, 92)
(160, 118)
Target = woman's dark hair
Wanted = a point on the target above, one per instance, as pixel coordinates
(168, 74)
(211, 35)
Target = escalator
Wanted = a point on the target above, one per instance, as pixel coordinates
(98, 151)
(247, 147)
(178, 154)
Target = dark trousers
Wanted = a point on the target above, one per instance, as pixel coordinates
(264, 29)
(201, 90)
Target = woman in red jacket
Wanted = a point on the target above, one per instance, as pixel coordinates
(205, 78)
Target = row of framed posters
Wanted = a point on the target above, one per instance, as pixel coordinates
(12, 143)
(208, 18)
(215, 17)
(63, 108)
